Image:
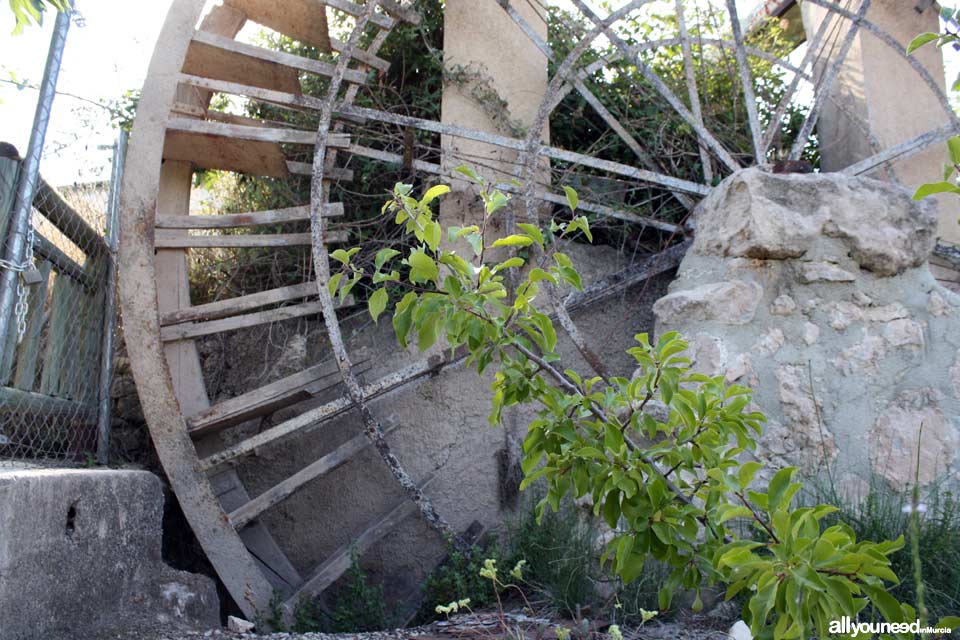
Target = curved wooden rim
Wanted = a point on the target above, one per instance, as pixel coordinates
(138, 296)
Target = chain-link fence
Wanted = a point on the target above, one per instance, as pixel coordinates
(57, 300)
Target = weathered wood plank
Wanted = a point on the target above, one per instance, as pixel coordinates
(252, 219)
(27, 403)
(267, 399)
(167, 240)
(64, 217)
(64, 264)
(273, 496)
(362, 56)
(337, 564)
(277, 57)
(28, 352)
(190, 330)
(330, 174)
(354, 9)
(257, 133)
(291, 100)
(210, 61)
(228, 154)
(319, 415)
(303, 20)
(233, 306)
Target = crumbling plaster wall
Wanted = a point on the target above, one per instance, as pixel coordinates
(814, 291)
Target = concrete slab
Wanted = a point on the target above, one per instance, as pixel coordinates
(80, 557)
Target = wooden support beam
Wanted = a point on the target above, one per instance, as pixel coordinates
(277, 57)
(273, 496)
(64, 264)
(303, 20)
(64, 217)
(190, 330)
(253, 219)
(258, 133)
(287, 391)
(30, 404)
(338, 563)
(179, 241)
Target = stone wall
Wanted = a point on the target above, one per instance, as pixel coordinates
(814, 291)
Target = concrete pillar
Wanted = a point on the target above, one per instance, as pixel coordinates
(480, 38)
(880, 90)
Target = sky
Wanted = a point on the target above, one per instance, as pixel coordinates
(108, 51)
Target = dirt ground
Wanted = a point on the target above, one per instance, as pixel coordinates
(484, 626)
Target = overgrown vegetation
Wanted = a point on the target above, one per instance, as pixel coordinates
(669, 489)
(885, 514)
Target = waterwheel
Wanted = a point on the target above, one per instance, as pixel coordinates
(176, 133)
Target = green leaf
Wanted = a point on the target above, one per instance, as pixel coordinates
(949, 622)
(514, 241)
(746, 472)
(383, 256)
(537, 274)
(342, 256)
(467, 171)
(935, 187)
(732, 512)
(334, 283)
(476, 243)
(572, 198)
(403, 318)
(921, 40)
(377, 303)
(431, 235)
(953, 144)
(422, 267)
(778, 487)
(533, 231)
(433, 193)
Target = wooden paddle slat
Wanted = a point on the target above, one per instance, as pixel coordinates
(338, 563)
(258, 133)
(227, 154)
(276, 57)
(233, 306)
(303, 20)
(287, 391)
(189, 330)
(256, 218)
(278, 493)
(215, 62)
(169, 240)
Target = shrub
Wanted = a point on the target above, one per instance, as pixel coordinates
(670, 489)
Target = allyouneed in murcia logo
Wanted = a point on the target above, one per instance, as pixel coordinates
(846, 626)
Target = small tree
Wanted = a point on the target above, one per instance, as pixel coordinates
(670, 489)
(26, 12)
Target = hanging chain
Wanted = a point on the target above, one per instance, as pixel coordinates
(26, 266)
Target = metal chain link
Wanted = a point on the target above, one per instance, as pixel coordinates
(22, 308)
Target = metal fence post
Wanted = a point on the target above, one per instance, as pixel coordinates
(16, 249)
(104, 414)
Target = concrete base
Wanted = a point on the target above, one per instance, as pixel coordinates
(80, 558)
